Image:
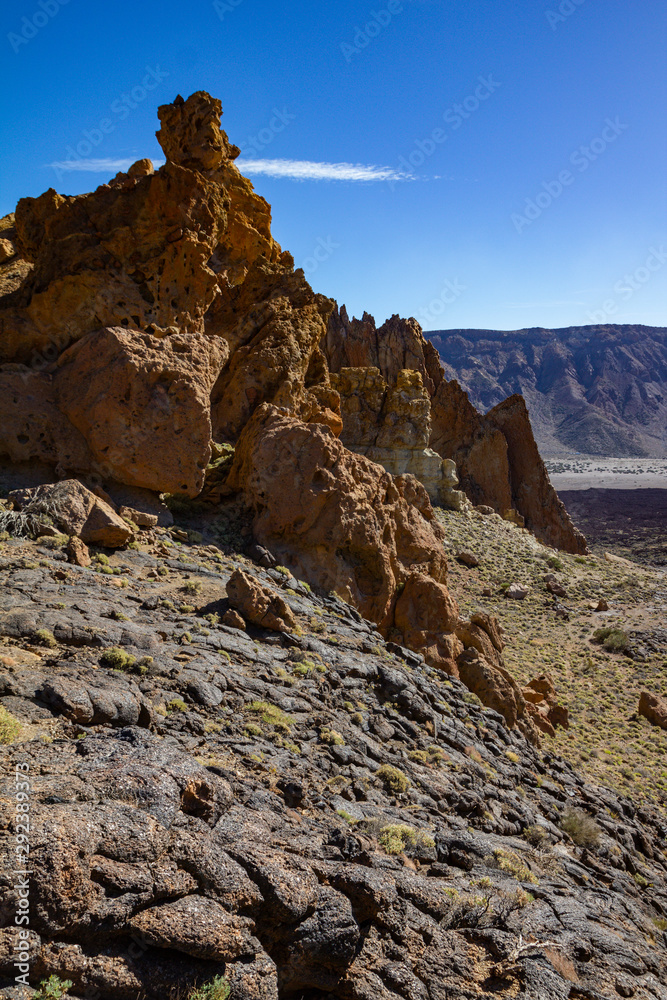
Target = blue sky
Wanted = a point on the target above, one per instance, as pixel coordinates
(498, 163)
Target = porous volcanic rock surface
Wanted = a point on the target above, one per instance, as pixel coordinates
(169, 286)
(391, 425)
(309, 814)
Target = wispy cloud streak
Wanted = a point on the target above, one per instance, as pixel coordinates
(308, 170)
(100, 166)
(295, 170)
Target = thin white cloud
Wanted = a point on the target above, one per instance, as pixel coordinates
(92, 166)
(297, 170)
(308, 170)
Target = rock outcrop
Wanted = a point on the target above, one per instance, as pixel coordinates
(542, 703)
(653, 708)
(532, 493)
(76, 512)
(495, 454)
(173, 286)
(336, 518)
(391, 425)
(259, 604)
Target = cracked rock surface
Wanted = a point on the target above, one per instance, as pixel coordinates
(312, 813)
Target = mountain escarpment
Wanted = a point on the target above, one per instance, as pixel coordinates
(597, 390)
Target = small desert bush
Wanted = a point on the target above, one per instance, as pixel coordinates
(511, 864)
(581, 827)
(271, 715)
(177, 705)
(10, 727)
(393, 779)
(614, 640)
(217, 989)
(117, 659)
(398, 837)
(45, 638)
(331, 737)
(52, 988)
(535, 835)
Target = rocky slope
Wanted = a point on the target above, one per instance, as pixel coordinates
(307, 812)
(597, 390)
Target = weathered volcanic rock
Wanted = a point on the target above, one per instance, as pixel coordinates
(542, 704)
(338, 519)
(493, 453)
(478, 449)
(142, 404)
(391, 425)
(32, 428)
(533, 495)
(424, 619)
(497, 689)
(162, 258)
(653, 708)
(76, 511)
(258, 603)
(398, 344)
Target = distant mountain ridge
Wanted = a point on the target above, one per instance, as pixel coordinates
(599, 390)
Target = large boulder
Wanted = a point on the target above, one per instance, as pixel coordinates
(259, 604)
(142, 404)
(425, 618)
(32, 428)
(76, 511)
(339, 520)
(653, 708)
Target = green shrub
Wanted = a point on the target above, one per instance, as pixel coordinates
(331, 737)
(10, 727)
(398, 837)
(511, 864)
(614, 640)
(217, 989)
(45, 638)
(393, 779)
(117, 659)
(271, 715)
(52, 988)
(177, 705)
(581, 827)
(535, 835)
